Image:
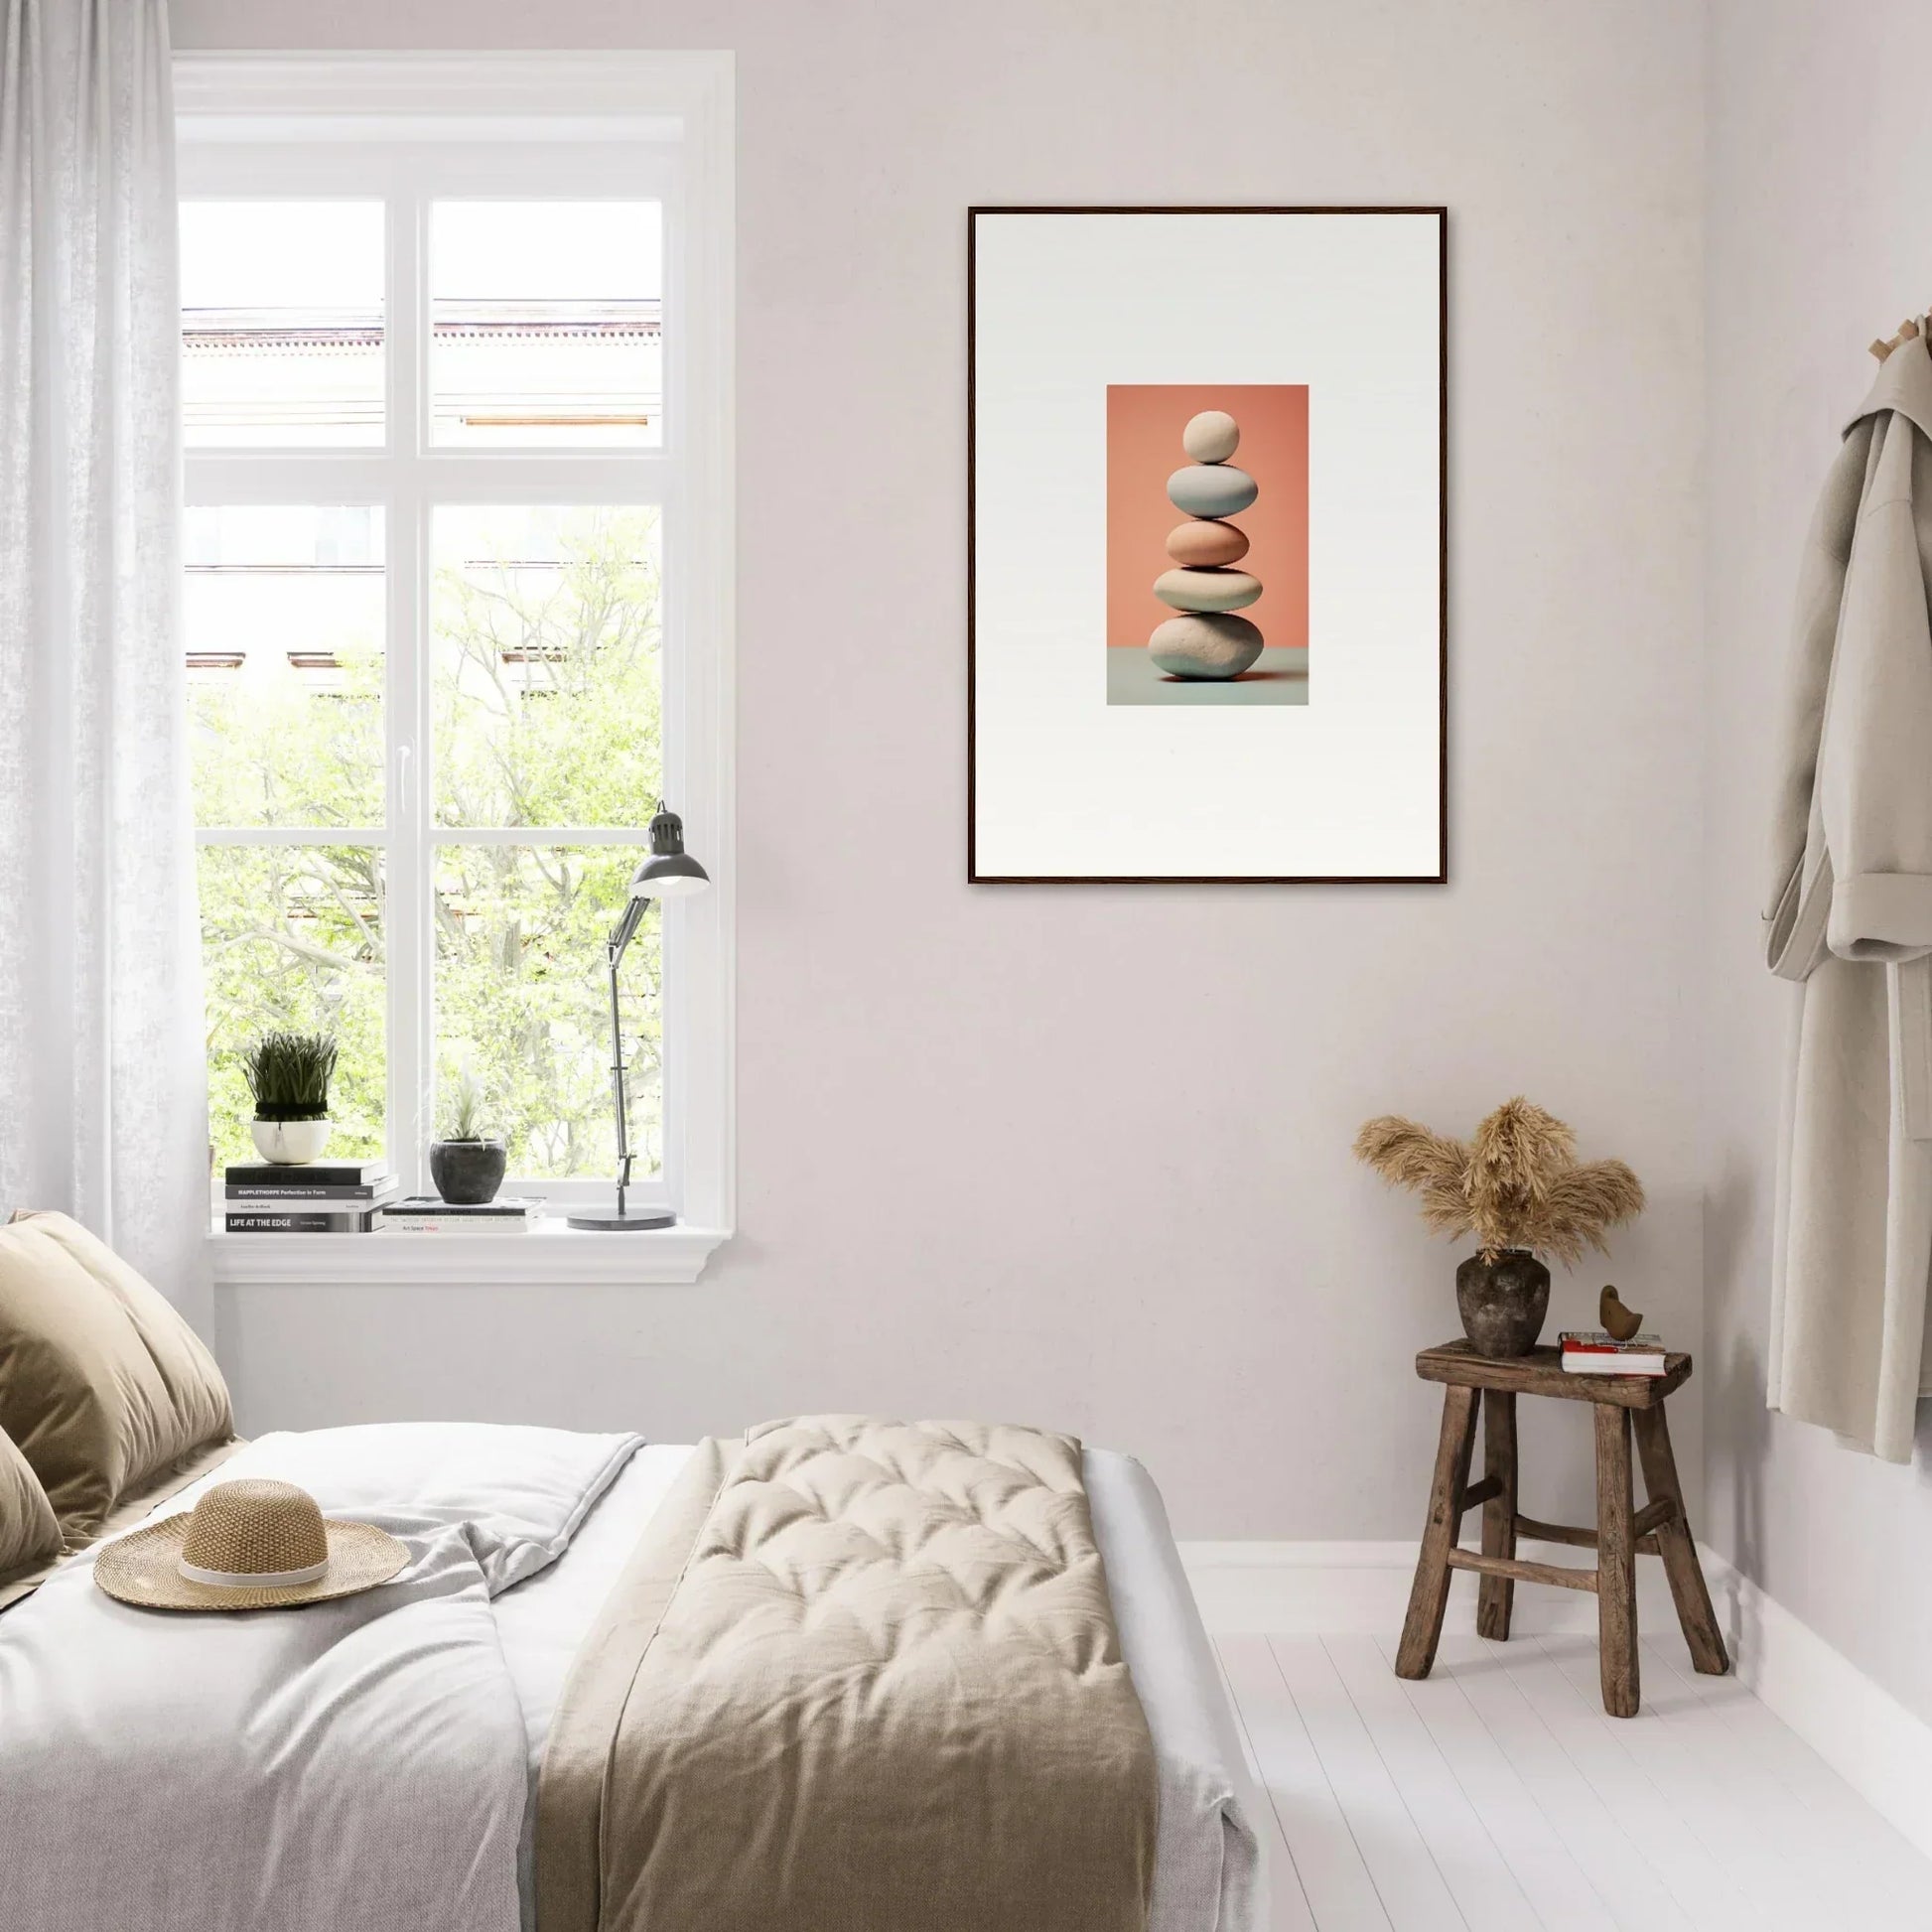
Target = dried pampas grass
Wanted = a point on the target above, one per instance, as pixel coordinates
(1516, 1185)
(1429, 1165)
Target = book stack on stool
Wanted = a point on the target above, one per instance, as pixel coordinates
(1595, 1351)
(320, 1197)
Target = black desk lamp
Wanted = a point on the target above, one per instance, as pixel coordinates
(669, 873)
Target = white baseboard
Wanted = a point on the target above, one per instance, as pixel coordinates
(1882, 1750)
(1879, 1747)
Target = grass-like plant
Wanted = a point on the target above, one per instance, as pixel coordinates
(289, 1075)
(464, 1117)
(1517, 1183)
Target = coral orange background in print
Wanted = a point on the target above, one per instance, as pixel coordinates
(1144, 425)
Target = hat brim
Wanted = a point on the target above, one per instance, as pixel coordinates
(143, 1569)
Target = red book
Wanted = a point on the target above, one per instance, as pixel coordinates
(1591, 1351)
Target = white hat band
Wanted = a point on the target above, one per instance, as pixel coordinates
(253, 1579)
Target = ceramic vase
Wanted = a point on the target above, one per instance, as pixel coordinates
(468, 1173)
(1503, 1300)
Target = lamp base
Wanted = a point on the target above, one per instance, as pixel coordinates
(613, 1222)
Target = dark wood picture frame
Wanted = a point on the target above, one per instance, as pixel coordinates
(974, 876)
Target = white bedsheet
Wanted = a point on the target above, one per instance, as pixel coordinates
(1207, 1863)
(354, 1765)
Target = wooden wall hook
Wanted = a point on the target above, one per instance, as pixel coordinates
(1908, 332)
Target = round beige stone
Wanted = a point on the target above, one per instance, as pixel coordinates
(1211, 437)
(1201, 542)
(1205, 644)
(1206, 590)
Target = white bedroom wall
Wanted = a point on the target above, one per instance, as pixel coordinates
(1080, 1156)
(1819, 240)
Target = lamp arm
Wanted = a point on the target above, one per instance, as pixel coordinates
(615, 947)
(626, 927)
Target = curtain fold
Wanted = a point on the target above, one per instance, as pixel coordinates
(102, 1071)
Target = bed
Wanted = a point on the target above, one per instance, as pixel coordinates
(104, 1795)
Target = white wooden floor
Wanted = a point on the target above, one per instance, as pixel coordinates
(1496, 1795)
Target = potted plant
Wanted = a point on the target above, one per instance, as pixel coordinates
(466, 1164)
(289, 1075)
(1519, 1188)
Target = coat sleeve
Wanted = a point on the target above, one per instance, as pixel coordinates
(1799, 899)
(1875, 767)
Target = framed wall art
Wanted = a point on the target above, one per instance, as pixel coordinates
(1207, 545)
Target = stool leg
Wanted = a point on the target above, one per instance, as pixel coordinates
(1421, 1629)
(1495, 1595)
(1616, 1564)
(1678, 1548)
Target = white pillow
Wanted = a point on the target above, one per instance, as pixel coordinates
(521, 1490)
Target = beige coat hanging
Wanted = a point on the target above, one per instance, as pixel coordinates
(1851, 916)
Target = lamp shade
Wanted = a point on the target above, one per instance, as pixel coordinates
(670, 872)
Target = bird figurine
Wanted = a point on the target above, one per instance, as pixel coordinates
(1619, 1322)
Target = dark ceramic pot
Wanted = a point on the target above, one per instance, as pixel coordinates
(1503, 1302)
(469, 1173)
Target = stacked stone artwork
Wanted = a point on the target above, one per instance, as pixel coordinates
(1207, 639)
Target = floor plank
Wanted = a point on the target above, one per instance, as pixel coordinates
(1324, 1864)
(1240, 1722)
(1619, 1870)
(1478, 1877)
(1288, 1905)
(1704, 1808)
(1708, 1896)
(1557, 1887)
(1406, 1880)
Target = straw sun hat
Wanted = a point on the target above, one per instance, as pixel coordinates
(250, 1545)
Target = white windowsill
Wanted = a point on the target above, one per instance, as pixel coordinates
(550, 1255)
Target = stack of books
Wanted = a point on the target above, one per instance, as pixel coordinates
(1594, 1351)
(427, 1214)
(323, 1197)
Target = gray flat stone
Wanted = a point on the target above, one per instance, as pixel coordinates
(1212, 490)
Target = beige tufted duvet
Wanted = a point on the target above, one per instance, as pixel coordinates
(869, 1669)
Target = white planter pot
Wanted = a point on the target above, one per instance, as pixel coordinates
(289, 1143)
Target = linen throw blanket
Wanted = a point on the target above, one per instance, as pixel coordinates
(347, 1767)
(859, 1676)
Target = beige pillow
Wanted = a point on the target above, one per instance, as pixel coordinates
(30, 1538)
(102, 1385)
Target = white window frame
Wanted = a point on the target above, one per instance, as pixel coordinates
(409, 129)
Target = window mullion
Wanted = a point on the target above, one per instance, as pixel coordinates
(410, 776)
(377, 835)
(635, 834)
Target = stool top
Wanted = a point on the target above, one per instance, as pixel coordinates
(1541, 1372)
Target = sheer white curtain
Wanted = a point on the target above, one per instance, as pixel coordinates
(103, 1079)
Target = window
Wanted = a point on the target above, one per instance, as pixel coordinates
(455, 341)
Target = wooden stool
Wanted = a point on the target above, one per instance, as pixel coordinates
(1658, 1529)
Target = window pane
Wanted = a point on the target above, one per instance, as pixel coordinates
(284, 617)
(522, 1002)
(547, 676)
(292, 937)
(280, 323)
(547, 324)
